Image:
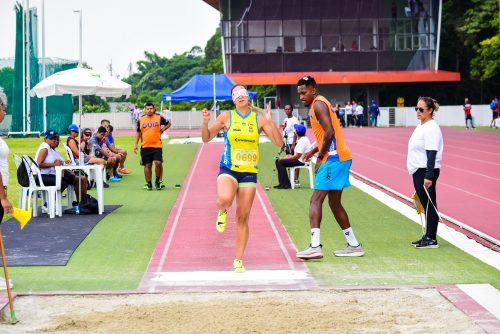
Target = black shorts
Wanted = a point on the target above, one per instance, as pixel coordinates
(150, 154)
(50, 179)
(495, 115)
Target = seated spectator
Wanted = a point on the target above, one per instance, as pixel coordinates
(72, 143)
(302, 147)
(47, 158)
(97, 148)
(110, 144)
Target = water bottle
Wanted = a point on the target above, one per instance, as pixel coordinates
(92, 151)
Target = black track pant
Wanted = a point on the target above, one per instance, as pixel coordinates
(281, 166)
(431, 218)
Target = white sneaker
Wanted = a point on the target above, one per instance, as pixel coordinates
(3, 286)
(45, 208)
(350, 251)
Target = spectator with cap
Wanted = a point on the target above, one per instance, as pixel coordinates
(47, 158)
(302, 147)
(72, 143)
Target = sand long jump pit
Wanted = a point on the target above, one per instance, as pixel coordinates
(325, 311)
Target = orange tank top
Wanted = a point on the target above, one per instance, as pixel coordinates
(338, 148)
(150, 127)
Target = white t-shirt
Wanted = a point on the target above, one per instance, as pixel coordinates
(359, 109)
(348, 109)
(4, 162)
(426, 136)
(52, 156)
(289, 128)
(303, 146)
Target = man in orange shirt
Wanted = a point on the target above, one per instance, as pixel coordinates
(332, 171)
(149, 130)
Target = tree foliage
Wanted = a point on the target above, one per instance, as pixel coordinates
(479, 29)
(6, 82)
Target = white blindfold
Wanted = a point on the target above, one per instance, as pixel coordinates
(239, 93)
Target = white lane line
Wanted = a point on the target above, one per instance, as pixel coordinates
(178, 214)
(230, 277)
(485, 295)
(444, 165)
(276, 234)
(455, 238)
(440, 182)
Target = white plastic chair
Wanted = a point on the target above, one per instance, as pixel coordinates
(29, 195)
(308, 166)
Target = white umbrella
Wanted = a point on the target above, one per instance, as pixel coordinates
(81, 81)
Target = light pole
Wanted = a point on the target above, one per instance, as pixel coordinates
(80, 64)
(44, 67)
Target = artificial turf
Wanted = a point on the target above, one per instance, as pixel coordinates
(116, 253)
(384, 233)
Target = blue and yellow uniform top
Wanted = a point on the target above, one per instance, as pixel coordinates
(241, 153)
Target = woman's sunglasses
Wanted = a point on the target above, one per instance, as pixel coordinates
(87, 134)
(418, 109)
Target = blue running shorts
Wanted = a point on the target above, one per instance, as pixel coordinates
(333, 175)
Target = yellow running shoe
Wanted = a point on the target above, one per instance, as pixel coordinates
(238, 266)
(221, 221)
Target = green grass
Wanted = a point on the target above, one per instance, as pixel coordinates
(385, 235)
(478, 128)
(116, 253)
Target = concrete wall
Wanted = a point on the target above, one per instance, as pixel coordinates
(446, 116)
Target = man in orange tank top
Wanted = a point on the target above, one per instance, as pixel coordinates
(332, 171)
(149, 130)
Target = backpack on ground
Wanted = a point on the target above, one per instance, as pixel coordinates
(88, 205)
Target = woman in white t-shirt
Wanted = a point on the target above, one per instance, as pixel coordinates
(302, 147)
(4, 171)
(425, 151)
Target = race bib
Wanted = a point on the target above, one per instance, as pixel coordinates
(245, 157)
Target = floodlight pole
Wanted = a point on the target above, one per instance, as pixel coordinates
(80, 101)
(44, 66)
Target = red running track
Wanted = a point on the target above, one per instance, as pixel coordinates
(190, 243)
(469, 183)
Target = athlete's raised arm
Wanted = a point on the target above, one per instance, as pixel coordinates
(208, 133)
(267, 124)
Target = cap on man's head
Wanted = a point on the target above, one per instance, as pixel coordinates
(51, 134)
(300, 129)
(73, 128)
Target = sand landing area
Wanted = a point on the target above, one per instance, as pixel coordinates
(326, 311)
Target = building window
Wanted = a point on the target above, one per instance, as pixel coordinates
(311, 27)
(256, 28)
(330, 27)
(292, 28)
(349, 27)
(292, 43)
(368, 42)
(274, 45)
(312, 43)
(331, 43)
(273, 28)
(256, 45)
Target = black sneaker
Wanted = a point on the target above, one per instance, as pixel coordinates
(148, 186)
(105, 185)
(159, 185)
(414, 243)
(427, 242)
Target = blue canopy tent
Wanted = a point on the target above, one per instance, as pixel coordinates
(204, 87)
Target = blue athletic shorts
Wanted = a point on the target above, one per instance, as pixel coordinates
(333, 175)
(243, 179)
